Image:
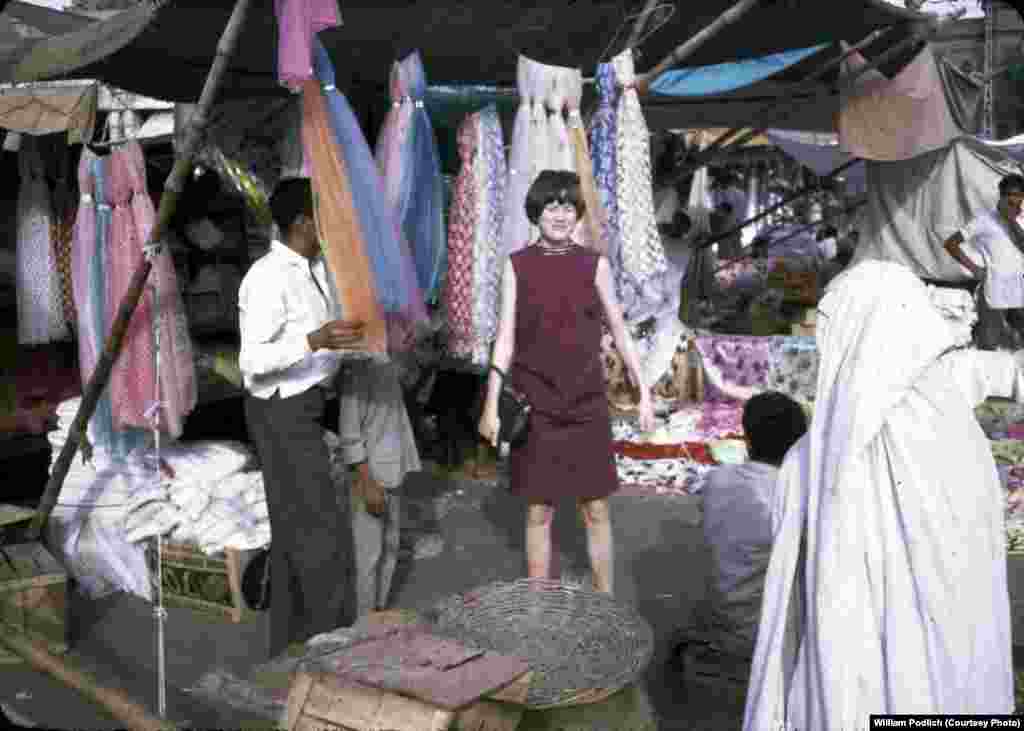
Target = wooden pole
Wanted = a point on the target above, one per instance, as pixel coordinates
(116, 702)
(804, 86)
(847, 82)
(807, 190)
(687, 49)
(168, 204)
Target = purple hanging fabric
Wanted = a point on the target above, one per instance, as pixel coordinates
(603, 150)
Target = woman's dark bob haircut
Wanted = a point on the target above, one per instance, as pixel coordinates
(554, 186)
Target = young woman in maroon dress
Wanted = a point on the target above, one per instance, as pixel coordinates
(554, 296)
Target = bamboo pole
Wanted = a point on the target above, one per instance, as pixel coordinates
(687, 49)
(847, 82)
(168, 204)
(805, 191)
(115, 701)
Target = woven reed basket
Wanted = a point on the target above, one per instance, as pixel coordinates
(582, 646)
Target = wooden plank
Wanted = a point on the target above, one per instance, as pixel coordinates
(485, 715)
(297, 698)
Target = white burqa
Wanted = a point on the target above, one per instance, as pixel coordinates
(886, 591)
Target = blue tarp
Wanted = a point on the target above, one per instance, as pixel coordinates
(723, 77)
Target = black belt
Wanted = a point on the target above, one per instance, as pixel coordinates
(967, 286)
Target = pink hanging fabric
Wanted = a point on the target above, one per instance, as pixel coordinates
(83, 249)
(898, 118)
(133, 379)
(393, 134)
(462, 227)
(297, 22)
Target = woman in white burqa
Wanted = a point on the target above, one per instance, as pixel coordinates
(886, 591)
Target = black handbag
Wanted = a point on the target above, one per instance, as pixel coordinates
(513, 413)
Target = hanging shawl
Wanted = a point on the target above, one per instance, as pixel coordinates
(490, 176)
(516, 227)
(458, 293)
(592, 232)
(642, 255)
(699, 204)
(394, 279)
(887, 516)
(407, 156)
(40, 309)
(559, 152)
(602, 147)
(298, 22)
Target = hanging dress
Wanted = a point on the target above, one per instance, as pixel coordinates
(604, 154)
(488, 262)
(516, 226)
(133, 378)
(91, 269)
(40, 310)
(559, 153)
(641, 254)
(458, 296)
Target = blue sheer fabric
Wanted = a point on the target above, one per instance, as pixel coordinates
(420, 201)
(377, 222)
(724, 77)
(603, 130)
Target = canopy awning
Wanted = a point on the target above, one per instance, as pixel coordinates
(460, 42)
(48, 108)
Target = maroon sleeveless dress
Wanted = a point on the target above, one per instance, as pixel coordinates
(557, 364)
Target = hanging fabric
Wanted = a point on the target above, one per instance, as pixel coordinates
(40, 310)
(133, 379)
(407, 157)
(390, 262)
(516, 227)
(559, 152)
(62, 233)
(642, 255)
(491, 177)
(458, 294)
(602, 147)
(91, 267)
(592, 233)
(699, 202)
(298, 22)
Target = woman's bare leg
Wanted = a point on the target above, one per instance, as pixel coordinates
(599, 542)
(538, 540)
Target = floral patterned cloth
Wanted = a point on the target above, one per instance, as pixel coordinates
(458, 292)
(642, 255)
(603, 151)
(40, 310)
(739, 366)
(516, 227)
(491, 178)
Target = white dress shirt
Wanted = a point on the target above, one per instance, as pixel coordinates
(280, 304)
(987, 238)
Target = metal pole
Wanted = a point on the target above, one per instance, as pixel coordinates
(168, 204)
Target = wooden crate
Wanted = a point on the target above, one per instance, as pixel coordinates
(33, 597)
(210, 584)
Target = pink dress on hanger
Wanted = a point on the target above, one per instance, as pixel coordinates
(133, 379)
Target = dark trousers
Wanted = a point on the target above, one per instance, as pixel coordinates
(312, 574)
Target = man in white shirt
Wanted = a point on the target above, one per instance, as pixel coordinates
(289, 358)
(738, 528)
(996, 240)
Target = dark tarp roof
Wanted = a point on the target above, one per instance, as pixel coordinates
(43, 22)
(164, 49)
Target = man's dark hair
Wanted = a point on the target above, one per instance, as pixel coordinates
(773, 423)
(290, 199)
(554, 186)
(1012, 183)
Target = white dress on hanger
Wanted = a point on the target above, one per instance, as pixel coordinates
(40, 310)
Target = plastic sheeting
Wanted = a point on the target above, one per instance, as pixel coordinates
(722, 77)
(820, 153)
(914, 205)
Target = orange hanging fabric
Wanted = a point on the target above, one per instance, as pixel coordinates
(341, 235)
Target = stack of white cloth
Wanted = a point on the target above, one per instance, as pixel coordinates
(207, 495)
(958, 309)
